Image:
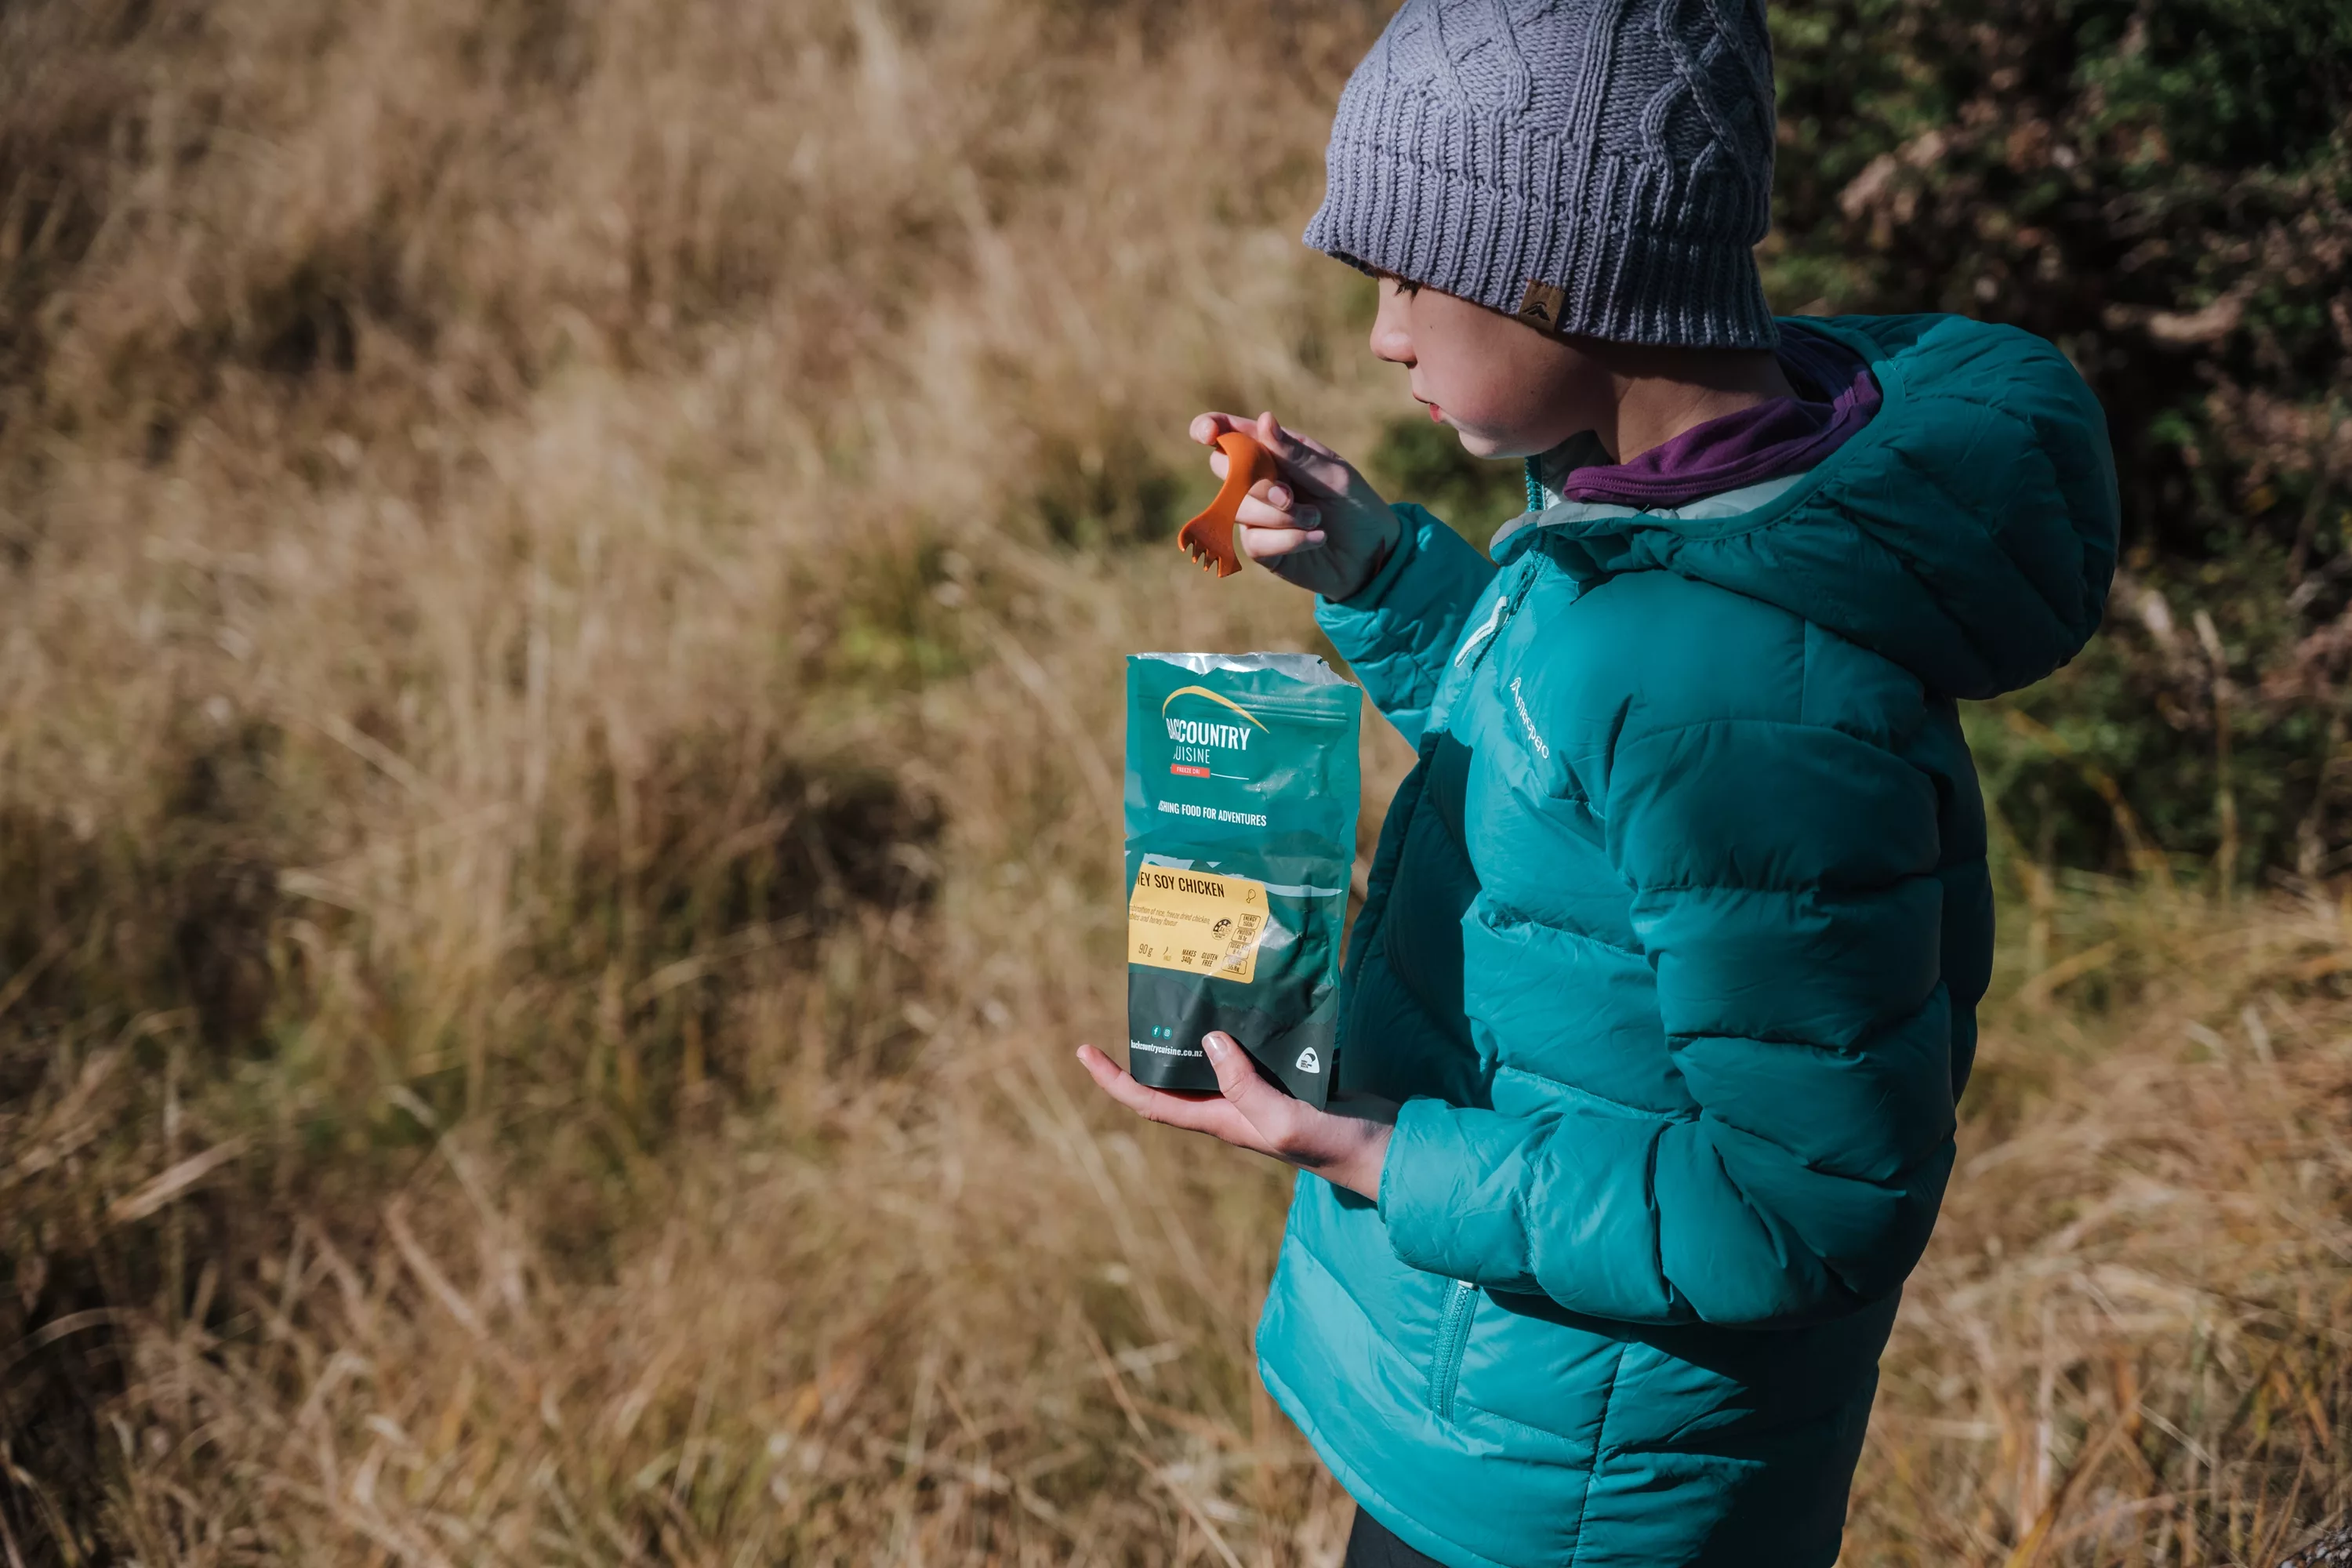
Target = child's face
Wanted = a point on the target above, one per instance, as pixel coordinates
(1507, 390)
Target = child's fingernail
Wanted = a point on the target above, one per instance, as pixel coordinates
(1279, 495)
(1217, 1044)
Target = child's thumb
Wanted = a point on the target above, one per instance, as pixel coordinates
(1238, 1076)
(1302, 455)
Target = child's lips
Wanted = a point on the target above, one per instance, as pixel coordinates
(1436, 415)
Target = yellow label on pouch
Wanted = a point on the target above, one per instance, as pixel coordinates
(1197, 921)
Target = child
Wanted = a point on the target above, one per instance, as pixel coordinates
(1664, 992)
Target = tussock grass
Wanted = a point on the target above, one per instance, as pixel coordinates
(564, 577)
(2129, 1343)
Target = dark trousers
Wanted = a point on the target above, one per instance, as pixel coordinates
(1370, 1546)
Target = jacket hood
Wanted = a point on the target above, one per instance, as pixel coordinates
(1967, 533)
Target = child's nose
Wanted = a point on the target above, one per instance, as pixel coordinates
(1391, 337)
(1391, 342)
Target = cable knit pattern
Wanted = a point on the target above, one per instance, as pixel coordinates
(1601, 167)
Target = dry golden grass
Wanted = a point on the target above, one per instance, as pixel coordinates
(2129, 1341)
(564, 577)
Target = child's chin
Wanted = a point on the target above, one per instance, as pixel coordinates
(1483, 446)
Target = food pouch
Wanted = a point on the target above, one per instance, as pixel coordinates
(1241, 836)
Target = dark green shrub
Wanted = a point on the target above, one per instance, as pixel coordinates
(2163, 190)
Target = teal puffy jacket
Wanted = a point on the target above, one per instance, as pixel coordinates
(1672, 952)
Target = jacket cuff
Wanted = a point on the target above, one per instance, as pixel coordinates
(1415, 602)
(1420, 1201)
(1554, 1205)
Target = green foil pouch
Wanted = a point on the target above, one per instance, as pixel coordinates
(1241, 789)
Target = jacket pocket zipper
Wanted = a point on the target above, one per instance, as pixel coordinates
(1453, 1334)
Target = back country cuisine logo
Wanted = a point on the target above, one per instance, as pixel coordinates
(1199, 739)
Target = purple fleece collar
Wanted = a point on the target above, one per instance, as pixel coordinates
(1835, 397)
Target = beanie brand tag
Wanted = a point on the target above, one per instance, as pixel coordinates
(1543, 305)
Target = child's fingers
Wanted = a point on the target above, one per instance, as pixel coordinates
(1263, 545)
(1120, 1084)
(1270, 503)
(1266, 429)
(1216, 1115)
(1263, 491)
(1206, 427)
(1261, 513)
(1301, 458)
(1305, 463)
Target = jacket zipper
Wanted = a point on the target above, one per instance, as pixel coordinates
(1453, 1328)
(1505, 606)
(1453, 1334)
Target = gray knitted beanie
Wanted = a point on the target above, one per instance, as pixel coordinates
(1601, 167)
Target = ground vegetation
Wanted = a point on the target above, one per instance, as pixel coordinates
(563, 572)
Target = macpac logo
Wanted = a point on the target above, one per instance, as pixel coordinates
(1521, 703)
(1213, 731)
(1308, 1061)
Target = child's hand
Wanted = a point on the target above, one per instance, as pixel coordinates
(1319, 525)
(1345, 1146)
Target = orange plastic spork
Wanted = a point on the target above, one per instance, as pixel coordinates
(1208, 538)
